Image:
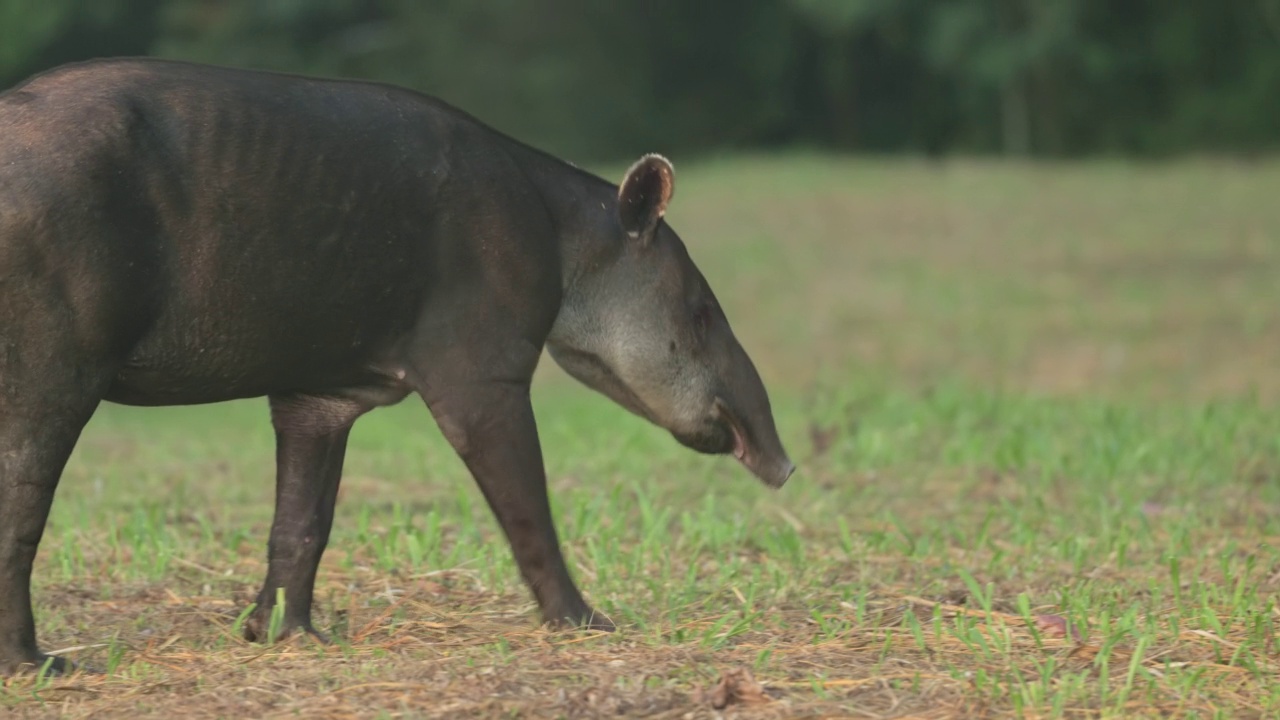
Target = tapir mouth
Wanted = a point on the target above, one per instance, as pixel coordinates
(773, 474)
(735, 430)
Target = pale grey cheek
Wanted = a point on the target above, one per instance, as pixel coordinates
(691, 400)
(637, 351)
(674, 386)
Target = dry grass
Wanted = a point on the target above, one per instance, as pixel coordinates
(1035, 412)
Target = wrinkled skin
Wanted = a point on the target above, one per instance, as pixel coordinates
(179, 234)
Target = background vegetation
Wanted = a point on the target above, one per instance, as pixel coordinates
(1033, 401)
(603, 80)
(1034, 410)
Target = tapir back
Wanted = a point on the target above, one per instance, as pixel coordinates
(276, 231)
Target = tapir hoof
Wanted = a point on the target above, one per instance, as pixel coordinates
(32, 665)
(255, 630)
(584, 618)
(598, 622)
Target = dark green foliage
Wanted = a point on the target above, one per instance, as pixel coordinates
(598, 80)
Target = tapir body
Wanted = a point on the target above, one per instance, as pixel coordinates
(173, 233)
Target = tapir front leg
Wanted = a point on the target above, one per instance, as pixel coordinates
(492, 428)
(33, 450)
(51, 382)
(311, 442)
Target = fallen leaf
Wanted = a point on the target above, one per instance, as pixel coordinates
(736, 687)
(1057, 626)
(1153, 509)
(1086, 652)
(822, 438)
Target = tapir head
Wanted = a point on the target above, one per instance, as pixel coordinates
(642, 326)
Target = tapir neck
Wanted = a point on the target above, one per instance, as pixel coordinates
(582, 207)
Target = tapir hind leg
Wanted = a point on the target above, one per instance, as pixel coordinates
(311, 441)
(492, 428)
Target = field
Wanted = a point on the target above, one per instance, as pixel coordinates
(1034, 409)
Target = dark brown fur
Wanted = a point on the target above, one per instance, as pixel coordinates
(175, 234)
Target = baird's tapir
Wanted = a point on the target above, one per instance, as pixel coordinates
(174, 233)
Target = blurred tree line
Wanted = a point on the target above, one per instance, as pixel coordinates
(604, 79)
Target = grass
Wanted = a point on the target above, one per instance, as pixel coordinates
(1035, 413)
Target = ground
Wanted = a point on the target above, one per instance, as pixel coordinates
(1034, 409)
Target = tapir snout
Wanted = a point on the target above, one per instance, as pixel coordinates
(766, 460)
(749, 416)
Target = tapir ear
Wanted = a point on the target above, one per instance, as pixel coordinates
(644, 194)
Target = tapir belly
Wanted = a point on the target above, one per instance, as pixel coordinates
(248, 333)
(196, 370)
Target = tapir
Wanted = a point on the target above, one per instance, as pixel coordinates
(174, 233)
